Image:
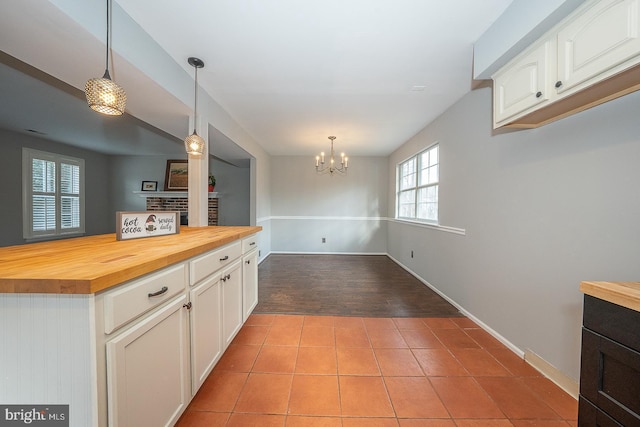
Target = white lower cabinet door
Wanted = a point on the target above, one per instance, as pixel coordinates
(249, 283)
(231, 284)
(148, 369)
(206, 324)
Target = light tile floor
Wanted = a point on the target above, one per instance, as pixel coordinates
(290, 371)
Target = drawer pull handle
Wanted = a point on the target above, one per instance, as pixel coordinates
(226, 257)
(158, 293)
(252, 243)
(538, 95)
(558, 83)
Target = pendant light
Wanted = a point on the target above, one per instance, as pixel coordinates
(194, 143)
(103, 94)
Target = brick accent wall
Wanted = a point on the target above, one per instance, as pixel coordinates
(181, 204)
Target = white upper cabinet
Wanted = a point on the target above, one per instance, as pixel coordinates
(589, 58)
(597, 40)
(523, 85)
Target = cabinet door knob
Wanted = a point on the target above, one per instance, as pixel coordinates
(187, 305)
(538, 95)
(228, 276)
(158, 293)
(226, 257)
(248, 261)
(223, 278)
(558, 83)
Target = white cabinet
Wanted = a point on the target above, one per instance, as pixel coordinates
(231, 288)
(591, 57)
(148, 369)
(249, 283)
(206, 323)
(597, 40)
(523, 84)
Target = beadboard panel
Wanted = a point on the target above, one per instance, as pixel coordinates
(46, 354)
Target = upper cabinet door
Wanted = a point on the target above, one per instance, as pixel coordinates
(602, 37)
(521, 84)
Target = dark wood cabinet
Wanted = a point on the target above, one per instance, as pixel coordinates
(610, 365)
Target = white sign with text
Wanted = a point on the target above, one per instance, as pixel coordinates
(136, 225)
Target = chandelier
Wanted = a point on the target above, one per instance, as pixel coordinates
(332, 168)
(103, 94)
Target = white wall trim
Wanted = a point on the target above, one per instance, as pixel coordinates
(483, 325)
(326, 253)
(445, 228)
(563, 381)
(545, 368)
(331, 218)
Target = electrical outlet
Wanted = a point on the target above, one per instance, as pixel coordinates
(324, 240)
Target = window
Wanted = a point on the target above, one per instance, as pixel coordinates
(53, 195)
(418, 179)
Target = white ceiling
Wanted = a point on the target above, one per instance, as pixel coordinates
(290, 72)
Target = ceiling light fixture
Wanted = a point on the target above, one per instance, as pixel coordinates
(103, 94)
(332, 168)
(194, 144)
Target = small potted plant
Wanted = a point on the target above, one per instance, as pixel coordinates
(212, 182)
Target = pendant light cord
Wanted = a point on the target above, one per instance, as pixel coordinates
(107, 56)
(195, 106)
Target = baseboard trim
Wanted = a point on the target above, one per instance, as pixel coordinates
(545, 368)
(563, 381)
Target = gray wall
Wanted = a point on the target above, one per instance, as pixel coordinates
(347, 211)
(543, 209)
(100, 216)
(233, 184)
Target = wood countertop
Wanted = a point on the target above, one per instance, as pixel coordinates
(90, 264)
(626, 294)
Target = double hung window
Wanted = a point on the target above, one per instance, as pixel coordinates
(418, 179)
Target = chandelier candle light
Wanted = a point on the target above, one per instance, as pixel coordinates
(332, 168)
(194, 143)
(103, 94)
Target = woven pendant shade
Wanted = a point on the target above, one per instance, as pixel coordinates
(105, 96)
(194, 144)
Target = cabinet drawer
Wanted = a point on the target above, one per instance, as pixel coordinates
(610, 377)
(249, 243)
(140, 296)
(210, 262)
(589, 415)
(619, 323)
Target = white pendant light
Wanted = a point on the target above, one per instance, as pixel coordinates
(103, 94)
(194, 144)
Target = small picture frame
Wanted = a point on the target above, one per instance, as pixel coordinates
(177, 175)
(149, 186)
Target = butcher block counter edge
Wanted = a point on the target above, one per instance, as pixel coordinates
(91, 264)
(625, 294)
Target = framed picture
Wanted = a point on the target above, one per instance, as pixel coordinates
(149, 185)
(177, 176)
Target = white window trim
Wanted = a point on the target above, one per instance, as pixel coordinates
(28, 154)
(398, 191)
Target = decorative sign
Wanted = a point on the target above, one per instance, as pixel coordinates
(135, 225)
